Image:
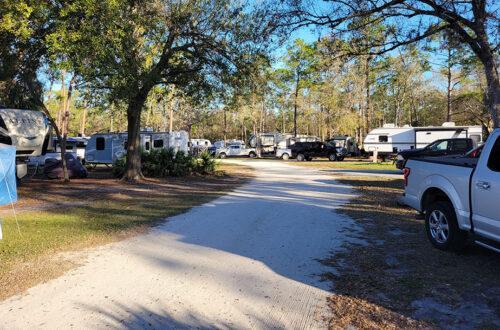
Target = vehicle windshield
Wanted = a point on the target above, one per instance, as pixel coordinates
(438, 146)
(338, 143)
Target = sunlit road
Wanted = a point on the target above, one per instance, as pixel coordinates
(246, 260)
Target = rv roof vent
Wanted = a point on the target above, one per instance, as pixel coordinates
(449, 124)
(389, 126)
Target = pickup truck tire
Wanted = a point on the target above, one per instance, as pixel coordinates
(442, 228)
(332, 157)
(252, 154)
(285, 156)
(300, 157)
(222, 155)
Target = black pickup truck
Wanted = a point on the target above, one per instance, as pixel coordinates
(442, 147)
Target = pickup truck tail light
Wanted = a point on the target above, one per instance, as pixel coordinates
(406, 174)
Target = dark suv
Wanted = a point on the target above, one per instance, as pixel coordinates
(309, 150)
(443, 147)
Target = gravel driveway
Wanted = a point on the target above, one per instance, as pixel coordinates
(246, 260)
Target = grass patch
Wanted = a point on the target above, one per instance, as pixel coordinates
(106, 210)
(399, 267)
(347, 164)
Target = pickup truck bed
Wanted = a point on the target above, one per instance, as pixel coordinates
(453, 161)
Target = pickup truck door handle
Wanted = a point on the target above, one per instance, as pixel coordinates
(483, 185)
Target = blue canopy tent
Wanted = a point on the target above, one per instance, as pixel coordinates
(8, 189)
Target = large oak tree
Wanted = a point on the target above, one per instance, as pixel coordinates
(128, 47)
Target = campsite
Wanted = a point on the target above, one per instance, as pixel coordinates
(249, 164)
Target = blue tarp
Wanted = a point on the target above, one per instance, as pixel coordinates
(8, 189)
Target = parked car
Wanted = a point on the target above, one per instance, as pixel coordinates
(441, 147)
(236, 150)
(309, 150)
(283, 153)
(459, 196)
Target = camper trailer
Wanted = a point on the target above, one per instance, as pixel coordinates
(106, 148)
(27, 130)
(346, 143)
(75, 145)
(200, 143)
(390, 139)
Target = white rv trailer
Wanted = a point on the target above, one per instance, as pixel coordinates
(390, 139)
(76, 145)
(200, 143)
(106, 148)
(27, 130)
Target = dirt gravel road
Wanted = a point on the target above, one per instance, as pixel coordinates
(245, 260)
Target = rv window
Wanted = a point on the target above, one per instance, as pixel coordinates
(69, 147)
(147, 145)
(99, 143)
(494, 160)
(383, 138)
(158, 143)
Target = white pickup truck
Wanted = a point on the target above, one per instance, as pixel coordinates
(459, 196)
(235, 150)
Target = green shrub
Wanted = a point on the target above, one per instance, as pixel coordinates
(119, 167)
(206, 163)
(161, 163)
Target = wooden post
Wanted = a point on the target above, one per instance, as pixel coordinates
(375, 156)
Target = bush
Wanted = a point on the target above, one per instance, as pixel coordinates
(206, 163)
(162, 163)
(119, 167)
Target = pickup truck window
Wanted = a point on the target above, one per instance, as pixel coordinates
(460, 145)
(494, 160)
(443, 145)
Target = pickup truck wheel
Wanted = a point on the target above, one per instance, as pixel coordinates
(252, 154)
(285, 156)
(442, 228)
(332, 157)
(300, 157)
(222, 155)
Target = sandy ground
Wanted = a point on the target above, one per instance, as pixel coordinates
(246, 260)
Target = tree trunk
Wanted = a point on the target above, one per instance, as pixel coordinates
(83, 123)
(133, 167)
(492, 98)
(448, 87)
(295, 105)
(65, 119)
(225, 125)
(171, 118)
(367, 118)
(63, 100)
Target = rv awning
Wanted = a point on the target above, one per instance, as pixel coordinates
(8, 189)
